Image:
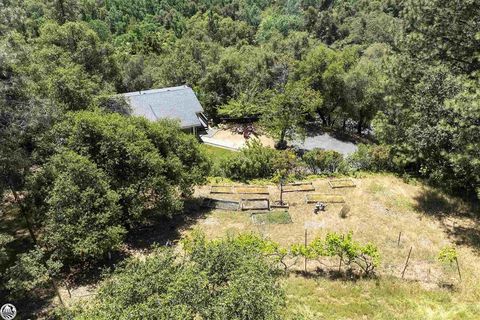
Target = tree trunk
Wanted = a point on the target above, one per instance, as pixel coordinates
(359, 127)
(57, 290)
(62, 11)
(324, 120)
(282, 144)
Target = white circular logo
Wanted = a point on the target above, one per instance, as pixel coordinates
(8, 311)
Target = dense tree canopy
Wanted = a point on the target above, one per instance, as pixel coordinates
(401, 74)
(79, 215)
(145, 162)
(225, 279)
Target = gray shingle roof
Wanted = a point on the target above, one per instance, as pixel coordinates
(179, 103)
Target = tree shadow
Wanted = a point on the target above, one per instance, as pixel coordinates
(464, 235)
(167, 230)
(160, 231)
(460, 219)
(333, 274)
(435, 203)
(34, 306)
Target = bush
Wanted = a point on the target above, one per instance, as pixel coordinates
(342, 246)
(371, 158)
(219, 279)
(323, 161)
(79, 212)
(150, 165)
(254, 161)
(344, 212)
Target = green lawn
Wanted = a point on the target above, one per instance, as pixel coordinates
(216, 154)
(310, 298)
(272, 217)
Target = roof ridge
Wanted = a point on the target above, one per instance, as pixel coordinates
(150, 91)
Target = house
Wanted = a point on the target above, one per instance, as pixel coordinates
(179, 103)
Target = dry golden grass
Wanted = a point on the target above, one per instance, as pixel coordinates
(221, 189)
(324, 197)
(251, 190)
(382, 206)
(341, 183)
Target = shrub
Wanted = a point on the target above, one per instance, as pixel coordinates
(150, 165)
(344, 212)
(323, 161)
(447, 255)
(219, 279)
(371, 158)
(254, 161)
(342, 246)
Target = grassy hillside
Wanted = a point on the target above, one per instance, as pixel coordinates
(381, 206)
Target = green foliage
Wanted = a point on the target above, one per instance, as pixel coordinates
(443, 30)
(323, 161)
(79, 214)
(4, 240)
(284, 163)
(287, 112)
(364, 91)
(274, 22)
(116, 104)
(409, 68)
(448, 255)
(342, 246)
(70, 65)
(147, 164)
(371, 158)
(323, 69)
(253, 161)
(220, 279)
(434, 132)
(272, 217)
(32, 270)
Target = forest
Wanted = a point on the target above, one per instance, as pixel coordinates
(79, 177)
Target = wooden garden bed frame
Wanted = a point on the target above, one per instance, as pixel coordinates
(217, 204)
(341, 183)
(244, 204)
(221, 189)
(298, 187)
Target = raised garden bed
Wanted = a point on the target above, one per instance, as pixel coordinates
(221, 204)
(221, 189)
(255, 204)
(278, 205)
(299, 183)
(298, 187)
(272, 217)
(251, 190)
(324, 197)
(342, 183)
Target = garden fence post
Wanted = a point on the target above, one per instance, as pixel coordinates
(406, 262)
